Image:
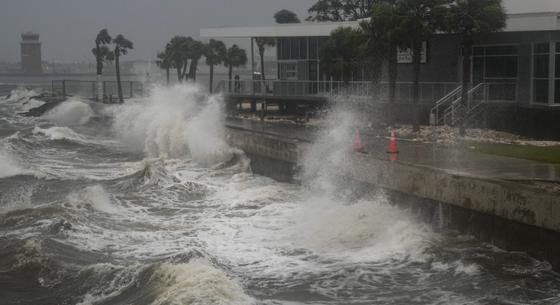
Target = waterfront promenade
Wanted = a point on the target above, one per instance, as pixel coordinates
(453, 160)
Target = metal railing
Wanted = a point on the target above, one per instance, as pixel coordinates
(428, 91)
(455, 110)
(88, 89)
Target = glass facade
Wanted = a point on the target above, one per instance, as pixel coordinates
(557, 74)
(546, 73)
(497, 65)
(298, 57)
(541, 58)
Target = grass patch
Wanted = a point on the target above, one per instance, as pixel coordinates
(549, 154)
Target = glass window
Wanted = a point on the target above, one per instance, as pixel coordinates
(557, 65)
(541, 91)
(501, 50)
(501, 67)
(312, 48)
(557, 90)
(478, 51)
(285, 49)
(542, 48)
(302, 48)
(478, 70)
(294, 48)
(541, 66)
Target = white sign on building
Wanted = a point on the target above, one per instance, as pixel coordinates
(404, 56)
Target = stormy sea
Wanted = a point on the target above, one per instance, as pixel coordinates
(146, 203)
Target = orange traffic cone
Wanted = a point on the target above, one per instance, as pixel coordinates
(392, 149)
(358, 146)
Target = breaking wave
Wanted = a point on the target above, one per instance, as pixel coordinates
(177, 121)
(70, 113)
(9, 166)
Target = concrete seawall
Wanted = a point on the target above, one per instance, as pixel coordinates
(511, 215)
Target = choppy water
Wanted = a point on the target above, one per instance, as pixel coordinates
(145, 203)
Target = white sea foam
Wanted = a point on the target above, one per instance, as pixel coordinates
(366, 230)
(94, 197)
(70, 113)
(196, 283)
(9, 166)
(58, 133)
(176, 121)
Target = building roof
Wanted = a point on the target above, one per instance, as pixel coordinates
(526, 22)
(279, 30)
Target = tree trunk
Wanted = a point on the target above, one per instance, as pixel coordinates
(211, 78)
(118, 70)
(261, 53)
(416, 57)
(99, 61)
(467, 45)
(167, 75)
(230, 74)
(192, 70)
(178, 73)
(184, 74)
(99, 93)
(392, 70)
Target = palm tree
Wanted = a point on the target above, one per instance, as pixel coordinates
(176, 48)
(215, 53)
(122, 45)
(262, 43)
(418, 21)
(194, 53)
(164, 62)
(470, 18)
(100, 52)
(235, 57)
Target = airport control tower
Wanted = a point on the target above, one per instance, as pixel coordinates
(31, 53)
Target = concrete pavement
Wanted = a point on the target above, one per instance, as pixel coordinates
(453, 160)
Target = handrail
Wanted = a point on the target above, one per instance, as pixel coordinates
(435, 110)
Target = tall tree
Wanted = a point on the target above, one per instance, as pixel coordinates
(384, 39)
(100, 52)
(235, 57)
(419, 20)
(194, 53)
(176, 48)
(122, 45)
(470, 18)
(215, 53)
(262, 43)
(165, 62)
(343, 52)
(286, 16)
(340, 10)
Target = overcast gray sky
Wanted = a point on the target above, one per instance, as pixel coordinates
(68, 27)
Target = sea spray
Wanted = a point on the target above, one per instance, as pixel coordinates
(9, 166)
(70, 113)
(343, 217)
(177, 121)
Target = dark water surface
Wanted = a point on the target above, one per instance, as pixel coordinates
(146, 204)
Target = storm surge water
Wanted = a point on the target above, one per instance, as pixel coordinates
(145, 203)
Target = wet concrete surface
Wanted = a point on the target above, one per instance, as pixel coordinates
(453, 160)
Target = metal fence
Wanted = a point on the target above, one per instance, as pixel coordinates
(88, 89)
(428, 91)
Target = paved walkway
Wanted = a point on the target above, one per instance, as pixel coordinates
(454, 160)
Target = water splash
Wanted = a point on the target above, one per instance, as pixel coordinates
(178, 121)
(70, 113)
